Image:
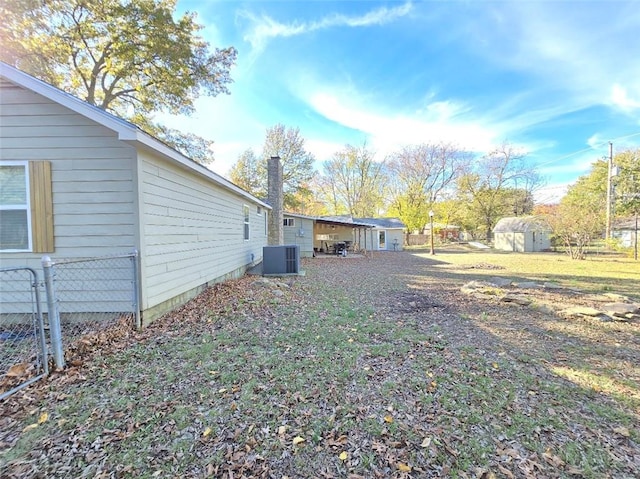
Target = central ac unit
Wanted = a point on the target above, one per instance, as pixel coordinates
(283, 259)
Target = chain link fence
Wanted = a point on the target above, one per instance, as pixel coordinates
(88, 295)
(23, 353)
(83, 297)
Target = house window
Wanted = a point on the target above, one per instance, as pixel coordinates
(15, 211)
(259, 211)
(246, 221)
(289, 222)
(266, 224)
(26, 207)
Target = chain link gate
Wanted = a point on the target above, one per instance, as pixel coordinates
(23, 350)
(88, 295)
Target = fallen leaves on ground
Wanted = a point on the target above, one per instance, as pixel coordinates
(363, 368)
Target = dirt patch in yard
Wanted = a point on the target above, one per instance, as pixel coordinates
(364, 367)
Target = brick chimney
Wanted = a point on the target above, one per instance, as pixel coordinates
(276, 200)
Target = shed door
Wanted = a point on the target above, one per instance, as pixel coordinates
(382, 240)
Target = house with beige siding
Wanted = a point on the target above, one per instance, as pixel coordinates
(79, 182)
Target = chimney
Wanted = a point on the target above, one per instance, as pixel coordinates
(275, 199)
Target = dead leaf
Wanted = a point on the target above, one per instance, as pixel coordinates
(298, 440)
(552, 459)
(623, 431)
(17, 370)
(426, 442)
(206, 432)
(506, 472)
(282, 430)
(388, 419)
(343, 456)
(43, 417)
(403, 467)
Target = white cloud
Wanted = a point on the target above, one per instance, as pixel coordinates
(572, 50)
(263, 27)
(620, 97)
(386, 133)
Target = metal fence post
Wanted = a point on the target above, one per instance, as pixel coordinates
(53, 314)
(136, 293)
(40, 322)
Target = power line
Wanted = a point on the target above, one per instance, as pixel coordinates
(588, 149)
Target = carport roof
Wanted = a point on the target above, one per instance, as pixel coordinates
(334, 220)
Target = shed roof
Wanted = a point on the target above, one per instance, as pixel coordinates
(520, 224)
(126, 131)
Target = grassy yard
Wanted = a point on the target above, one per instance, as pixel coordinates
(598, 273)
(362, 368)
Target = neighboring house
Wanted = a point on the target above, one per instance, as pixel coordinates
(298, 230)
(80, 182)
(389, 233)
(522, 234)
(625, 230)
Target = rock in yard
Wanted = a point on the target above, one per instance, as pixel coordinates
(582, 311)
(620, 309)
(616, 297)
(481, 288)
(263, 282)
(500, 282)
(513, 298)
(528, 285)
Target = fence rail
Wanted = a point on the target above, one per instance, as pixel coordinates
(83, 297)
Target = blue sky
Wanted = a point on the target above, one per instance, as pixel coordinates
(559, 79)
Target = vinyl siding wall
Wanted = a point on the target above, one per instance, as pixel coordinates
(393, 235)
(93, 187)
(193, 233)
(305, 241)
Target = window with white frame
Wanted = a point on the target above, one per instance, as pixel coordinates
(15, 211)
(259, 211)
(289, 222)
(246, 221)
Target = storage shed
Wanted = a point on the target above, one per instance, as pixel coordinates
(522, 234)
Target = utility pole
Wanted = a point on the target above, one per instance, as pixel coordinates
(609, 176)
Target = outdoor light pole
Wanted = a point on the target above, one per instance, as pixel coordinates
(431, 229)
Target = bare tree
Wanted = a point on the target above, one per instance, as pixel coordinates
(499, 183)
(354, 182)
(420, 174)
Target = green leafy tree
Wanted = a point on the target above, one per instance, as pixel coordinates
(627, 182)
(244, 174)
(250, 172)
(297, 163)
(355, 182)
(581, 214)
(130, 57)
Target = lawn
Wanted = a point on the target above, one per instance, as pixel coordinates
(598, 273)
(364, 367)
